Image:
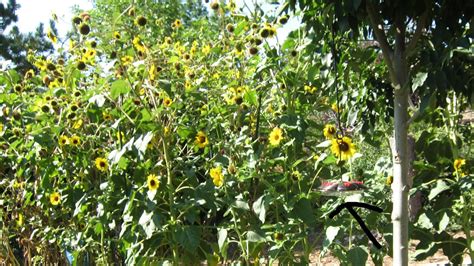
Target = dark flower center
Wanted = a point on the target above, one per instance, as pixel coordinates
(343, 146)
(202, 139)
(102, 164)
(331, 130)
(152, 183)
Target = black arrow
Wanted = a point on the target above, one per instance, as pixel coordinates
(349, 206)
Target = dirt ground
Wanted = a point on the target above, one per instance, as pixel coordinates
(437, 259)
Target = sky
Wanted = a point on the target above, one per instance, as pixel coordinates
(32, 12)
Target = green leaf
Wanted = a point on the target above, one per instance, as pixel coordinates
(443, 223)
(304, 211)
(240, 28)
(440, 187)
(254, 237)
(119, 87)
(357, 256)
(260, 208)
(331, 233)
(424, 221)
(324, 144)
(250, 97)
(188, 237)
(239, 204)
(221, 238)
(183, 132)
(141, 143)
(419, 80)
(147, 223)
(165, 85)
(453, 249)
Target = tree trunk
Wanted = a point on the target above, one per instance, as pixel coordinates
(400, 185)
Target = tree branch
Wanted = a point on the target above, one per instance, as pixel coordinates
(376, 23)
(420, 25)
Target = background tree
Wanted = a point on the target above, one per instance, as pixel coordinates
(15, 45)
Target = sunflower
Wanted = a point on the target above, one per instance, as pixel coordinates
(63, 140)
(78, 124)
(309, 89)
(51, 36)
(343, 148)
(217, 176)
(153, 182)
(101, 164)
(276, 136)
(152, 72)
(201, 139)
(167, 102)
(458, 163)
(140, 21)
(75, 140)
(206, 49)
(329, 131)
(127, 60)
(177, 23)
(55, 198)
(117, 35)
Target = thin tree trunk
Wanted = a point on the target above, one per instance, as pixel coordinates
(400, 185)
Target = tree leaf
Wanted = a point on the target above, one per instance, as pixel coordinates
(119, 87)
(424, 221)
(440, 187)
(443, 223)
(419, 80)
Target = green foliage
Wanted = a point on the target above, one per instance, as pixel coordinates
(170, 141)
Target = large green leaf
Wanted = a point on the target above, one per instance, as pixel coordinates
(260, 208)
(357, 256)
(304, 211)
(331, 233)
(119, 87)
(188, 237)
(440, 187)
(443, 223)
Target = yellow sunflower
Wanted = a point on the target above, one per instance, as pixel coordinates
(153, 182)
(75, 140)
(343, 148)
(458, 163)
(51, 36)
(217, 176)
(276, 136)
(177, 23)
(55, 198)
(167, 102)
(201, 139)
(329, 131)
(63, 140)
(101, 164)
